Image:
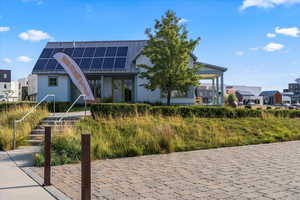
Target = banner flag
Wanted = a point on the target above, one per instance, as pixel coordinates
(75, 74)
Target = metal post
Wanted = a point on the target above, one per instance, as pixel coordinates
(47, 150)
(85, 167)
(14, 133)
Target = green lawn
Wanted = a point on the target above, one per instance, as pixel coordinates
(134, 136)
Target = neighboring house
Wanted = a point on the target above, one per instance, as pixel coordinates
(5, 79)
(273, 97)
(287, 97)
(247, 98)
(255, 90)
(111, 70)
(295, 89)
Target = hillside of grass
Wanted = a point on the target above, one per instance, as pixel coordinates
(23, 129)
(135, 136)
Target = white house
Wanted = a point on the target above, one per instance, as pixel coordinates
(111, 70)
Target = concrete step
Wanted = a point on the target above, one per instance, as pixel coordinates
(36, 137)
(38, 131)
(34, 142)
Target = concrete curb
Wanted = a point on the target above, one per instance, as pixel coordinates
(50, 189)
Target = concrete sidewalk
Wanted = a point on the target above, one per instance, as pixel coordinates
(16, 185)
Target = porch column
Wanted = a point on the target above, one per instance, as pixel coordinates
(222, 90)
(218, 90)
(213, 91)
(102, 87)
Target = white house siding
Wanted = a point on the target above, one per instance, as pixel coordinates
(61, 91)
(155, 96)
(107, 87)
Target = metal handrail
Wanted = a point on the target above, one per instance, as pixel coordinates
(64, 115)
(27, 114)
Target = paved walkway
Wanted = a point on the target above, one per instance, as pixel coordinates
(268, 171)
(16, 185)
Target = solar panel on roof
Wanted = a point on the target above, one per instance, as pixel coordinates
(85, 63)
(51, 64)
(78, 52)
(46, 53)
(89, 52)
(69, 51)
(59, 68)
(122, 51)
(77, 60)
(120, 63)
(111, 51)
(108, 63)
(100, 52)
(56, 50)
(40, 64)
(96, 64)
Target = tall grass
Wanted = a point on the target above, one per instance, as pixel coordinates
(23, 129)
(134, 136)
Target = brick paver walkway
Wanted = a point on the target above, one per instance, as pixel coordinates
(267, 171)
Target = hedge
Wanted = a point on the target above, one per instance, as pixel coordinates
(118, 109)
(285, 113)
(204, 111)
(122, 109)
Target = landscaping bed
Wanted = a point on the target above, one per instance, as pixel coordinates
(153, 134)
(14, 112)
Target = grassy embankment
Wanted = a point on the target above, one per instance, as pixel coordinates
(134, 136)
(23, 129)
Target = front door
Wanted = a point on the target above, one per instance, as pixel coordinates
(122, 90)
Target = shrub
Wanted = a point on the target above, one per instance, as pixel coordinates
(118, 109)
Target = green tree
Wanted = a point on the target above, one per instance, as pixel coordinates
(169, 50)
(231, 100)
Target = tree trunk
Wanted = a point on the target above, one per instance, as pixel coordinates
(169, 97)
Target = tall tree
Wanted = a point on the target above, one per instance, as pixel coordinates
(169, 51)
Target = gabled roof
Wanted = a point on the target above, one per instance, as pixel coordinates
(244, 93)
(268, 93)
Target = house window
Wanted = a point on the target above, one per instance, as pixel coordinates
(52, 81)
(5, 76)
(176, 94)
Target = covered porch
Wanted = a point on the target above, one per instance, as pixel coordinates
(212, 93)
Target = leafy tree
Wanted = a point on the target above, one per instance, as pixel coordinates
(169, 50)
(231, 100)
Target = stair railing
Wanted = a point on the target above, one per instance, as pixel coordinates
(27, 114)
(64, 115)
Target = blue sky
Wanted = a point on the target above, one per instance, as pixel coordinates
(257, 40)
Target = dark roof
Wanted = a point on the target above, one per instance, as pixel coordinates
(134, 47)
(244, 93)
(268, 93)
(5, 78)
(223, 69)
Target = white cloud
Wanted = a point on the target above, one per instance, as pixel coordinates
(4, 28)
(35, 35)
(266, 3)
(23, 59)
(239, 53)
(273, 47)
(7, 60)
(292, 31)
(271, 35)
(183, 20)
(38, 2)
